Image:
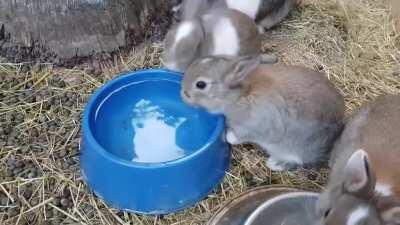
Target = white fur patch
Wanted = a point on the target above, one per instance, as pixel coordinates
(248, 7)
(225, 37)
(357, 215)
(283, 155)
(383, 189)
(231, 138)
(273, 165)
(206, 60)
(176, 8)
(184, 30)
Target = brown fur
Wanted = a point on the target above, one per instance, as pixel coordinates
(367, 154)
(380, 138)
(290, 81)
(395, 11)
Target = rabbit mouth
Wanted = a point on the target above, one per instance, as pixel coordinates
(186, 94)
(187, 98)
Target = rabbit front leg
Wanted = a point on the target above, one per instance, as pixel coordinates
(231, 137)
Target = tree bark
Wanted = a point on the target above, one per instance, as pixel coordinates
(66, 32)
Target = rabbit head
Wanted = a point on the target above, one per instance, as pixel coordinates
(182, 45)
(354, 203)
(217, 81)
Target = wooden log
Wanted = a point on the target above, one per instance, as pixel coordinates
(66, 32)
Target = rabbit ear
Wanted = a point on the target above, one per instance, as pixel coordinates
(358, 175)
(242, 67)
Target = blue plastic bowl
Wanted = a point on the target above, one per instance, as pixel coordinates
(145, 151)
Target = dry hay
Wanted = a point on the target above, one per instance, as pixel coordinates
(355, 43)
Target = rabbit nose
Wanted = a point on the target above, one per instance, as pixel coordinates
(186, 94)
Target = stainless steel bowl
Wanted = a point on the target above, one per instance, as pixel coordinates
(294, 208)
(237, 210)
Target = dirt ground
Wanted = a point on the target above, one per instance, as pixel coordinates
(356, 43)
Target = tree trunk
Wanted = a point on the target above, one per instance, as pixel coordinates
(66, 32)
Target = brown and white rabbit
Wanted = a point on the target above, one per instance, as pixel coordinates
(266, 13)
(292, 112)
(219, 31)
(364, 185)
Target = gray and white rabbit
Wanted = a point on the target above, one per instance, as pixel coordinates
(292, 112)
(266, 13)
(364, 185)
(219, 31)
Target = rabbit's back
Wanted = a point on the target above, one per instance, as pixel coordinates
(308, 91)
(229, 32)
(308, 106)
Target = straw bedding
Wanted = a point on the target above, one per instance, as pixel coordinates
(356, 43)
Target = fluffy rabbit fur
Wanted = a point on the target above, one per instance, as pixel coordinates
(267, 13)
(364, 187)
(294, 113)
(219, 31)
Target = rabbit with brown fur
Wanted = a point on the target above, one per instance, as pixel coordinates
(364, 185)
(292, 112)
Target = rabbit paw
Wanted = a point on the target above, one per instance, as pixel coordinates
(261, 29)
(231, 137)
(275, 165)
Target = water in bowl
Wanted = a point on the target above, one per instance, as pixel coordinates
(147, 122)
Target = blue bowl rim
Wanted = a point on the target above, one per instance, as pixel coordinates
(172, 76)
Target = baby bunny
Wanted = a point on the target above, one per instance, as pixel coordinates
(364, 187)
(293, 113)
(219, 31)
(266, 13)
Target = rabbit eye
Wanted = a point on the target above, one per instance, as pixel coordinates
(201, 85)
